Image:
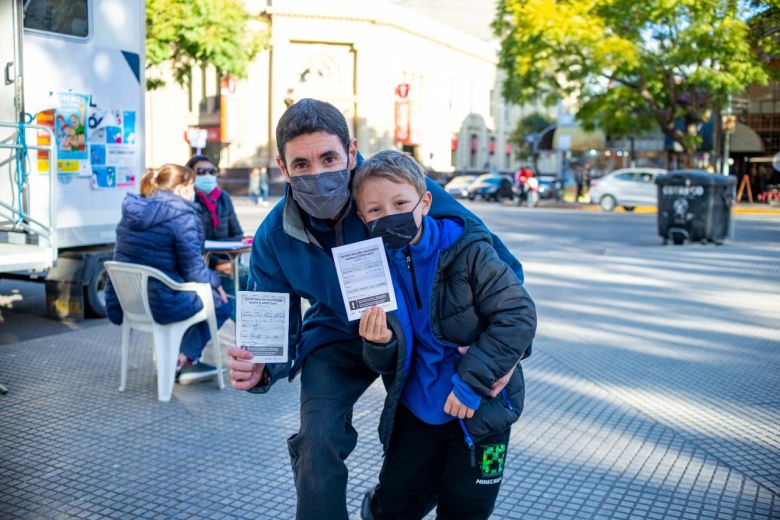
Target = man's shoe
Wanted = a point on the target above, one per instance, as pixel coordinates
(365, 507)
(195, 372)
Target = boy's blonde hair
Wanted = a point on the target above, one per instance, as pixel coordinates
(395, 166)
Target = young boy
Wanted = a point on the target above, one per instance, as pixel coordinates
(463, 321)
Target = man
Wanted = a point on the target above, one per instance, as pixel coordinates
(291, 253)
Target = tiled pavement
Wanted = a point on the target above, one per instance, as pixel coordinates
(653, 392)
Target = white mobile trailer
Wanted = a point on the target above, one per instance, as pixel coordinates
(71, 140)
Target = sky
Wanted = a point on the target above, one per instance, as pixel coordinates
(470, 16)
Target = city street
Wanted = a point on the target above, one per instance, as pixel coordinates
(653, 392)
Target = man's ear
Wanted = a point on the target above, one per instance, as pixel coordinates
(280, 163)
(352, 154)
(426, 201)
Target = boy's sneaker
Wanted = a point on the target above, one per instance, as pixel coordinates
(195, 372)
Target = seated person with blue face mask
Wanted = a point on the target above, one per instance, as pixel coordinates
(218, 216)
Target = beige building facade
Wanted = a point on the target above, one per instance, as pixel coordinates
(403, 80)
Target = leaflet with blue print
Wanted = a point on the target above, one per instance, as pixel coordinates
(262, 325)
(364, 277)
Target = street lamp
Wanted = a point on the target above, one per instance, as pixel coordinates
(729, 126)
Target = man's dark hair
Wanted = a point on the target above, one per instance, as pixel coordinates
(308, 116)
(198, 158)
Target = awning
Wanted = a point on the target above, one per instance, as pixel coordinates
(745, 140)
(578, 140)
(766, 159)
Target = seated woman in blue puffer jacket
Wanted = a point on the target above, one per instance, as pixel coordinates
(162, 228)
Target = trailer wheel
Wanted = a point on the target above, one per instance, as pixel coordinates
(95, 291)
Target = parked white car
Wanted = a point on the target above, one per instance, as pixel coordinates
(627, 187)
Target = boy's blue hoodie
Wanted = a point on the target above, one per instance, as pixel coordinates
(433, 369)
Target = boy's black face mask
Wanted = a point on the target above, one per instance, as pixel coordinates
(396, 230)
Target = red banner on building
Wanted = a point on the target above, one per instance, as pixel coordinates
(402, 121)
(228, 112)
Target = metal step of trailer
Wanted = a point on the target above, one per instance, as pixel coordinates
(24, 257)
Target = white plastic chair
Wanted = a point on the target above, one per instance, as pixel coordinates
(130, 282)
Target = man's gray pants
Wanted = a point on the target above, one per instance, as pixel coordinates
(333, 377)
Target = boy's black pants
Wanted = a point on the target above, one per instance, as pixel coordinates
(426, 460)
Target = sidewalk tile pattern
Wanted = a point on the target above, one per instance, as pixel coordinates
(653, 393)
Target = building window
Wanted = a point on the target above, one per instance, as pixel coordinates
(67, 17)
(767, 107)
(209, 91)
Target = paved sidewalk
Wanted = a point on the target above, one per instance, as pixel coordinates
(653, 393)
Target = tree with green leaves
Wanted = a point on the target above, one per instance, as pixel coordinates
(633, 64)
(189, 33)
(528, 126)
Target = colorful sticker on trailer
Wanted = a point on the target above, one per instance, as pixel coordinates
(103, 177)
(44, 118)
(112, 144)
(124, 157)
(70, 126)
(128, 127)
(97, 154)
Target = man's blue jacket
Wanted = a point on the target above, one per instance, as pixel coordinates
(287, 257)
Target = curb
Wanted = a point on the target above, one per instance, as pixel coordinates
(653, 209)
(757, 211)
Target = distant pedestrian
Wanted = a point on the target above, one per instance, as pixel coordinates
(264, 185)
(586, 184)
(254, 185)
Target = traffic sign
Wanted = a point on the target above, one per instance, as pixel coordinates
(729, 123)
(196, 137)
(402, 90)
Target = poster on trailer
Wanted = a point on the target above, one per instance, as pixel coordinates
(70, 126)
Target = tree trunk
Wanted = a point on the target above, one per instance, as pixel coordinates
(690, 156)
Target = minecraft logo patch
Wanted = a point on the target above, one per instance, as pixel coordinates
(493, 460)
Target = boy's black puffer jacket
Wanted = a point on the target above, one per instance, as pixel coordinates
(479, 302)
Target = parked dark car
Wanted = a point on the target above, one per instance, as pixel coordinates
(457, 187)
(491, 186)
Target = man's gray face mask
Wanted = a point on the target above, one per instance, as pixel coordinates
(322, 195)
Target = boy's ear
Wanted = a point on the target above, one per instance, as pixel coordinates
(426, 201)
